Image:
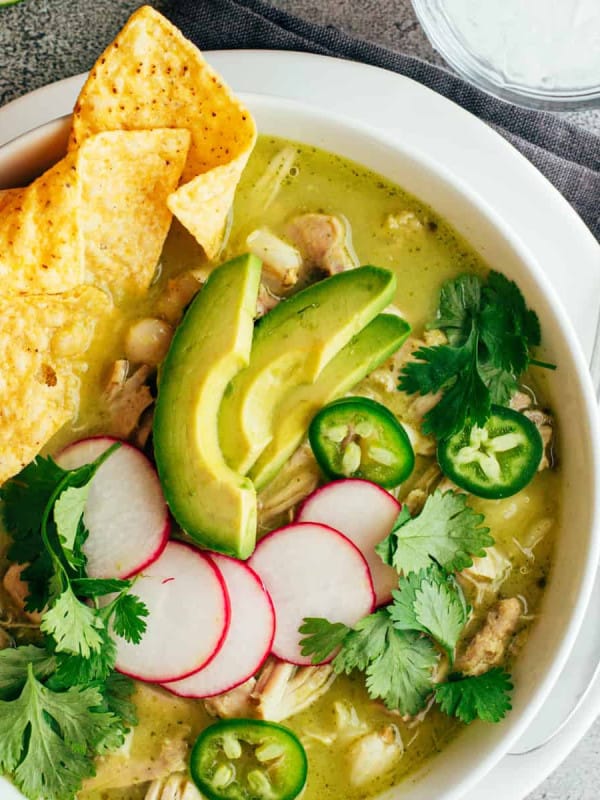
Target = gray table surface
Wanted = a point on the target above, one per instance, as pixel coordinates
(44, 40)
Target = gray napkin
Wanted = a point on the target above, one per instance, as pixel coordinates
(567, 156)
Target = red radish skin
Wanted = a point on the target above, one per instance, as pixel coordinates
(188, 618)
(126, 512)
(248, 641)
(311, 570)
(365, 513)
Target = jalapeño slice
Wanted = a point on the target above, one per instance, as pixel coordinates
(495, 461)
(248, 759)
(360, 438)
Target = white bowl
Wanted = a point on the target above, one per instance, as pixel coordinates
(470, 756)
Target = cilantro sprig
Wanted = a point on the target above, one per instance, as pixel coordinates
(490, 333)
(61, 703)
(398, 665)
(447, 530)
(398, 647)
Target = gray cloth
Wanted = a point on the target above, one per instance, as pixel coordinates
(567, 156)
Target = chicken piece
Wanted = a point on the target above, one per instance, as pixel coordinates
(486, 575)
(127, 397)
(266, 300)
(296, 480)
(525, 403)
(280, 691)
(175, 787)
(488, 646)
(179, 293)
(324, 242)
(116, 771)
(18, 591)
(374, 754)
(283, 689)
(234, 703)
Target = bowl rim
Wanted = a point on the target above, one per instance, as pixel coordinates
(531, 266)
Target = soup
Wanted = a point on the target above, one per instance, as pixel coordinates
(356, 746)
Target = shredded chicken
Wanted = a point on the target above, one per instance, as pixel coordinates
(116, 771)
(18, 590)
(280, 691)
(488, 646)
(127, 397)
(178, 293)
(283, 689)
(486, 575)
(266, 300)
(234, 703)
(176, 787)
(374, 754)
(295, 481)
(324, 242)
(525, 403)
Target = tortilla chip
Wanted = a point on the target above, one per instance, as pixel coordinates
(42, 340)
(99, 216)
(41, 249)
(126, 178)
(152, 77)
(7, 195)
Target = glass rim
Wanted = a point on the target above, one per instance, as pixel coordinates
(443, 38)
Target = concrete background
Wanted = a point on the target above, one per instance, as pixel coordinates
(44, 40)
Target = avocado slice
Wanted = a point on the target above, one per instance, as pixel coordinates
(292, 344)
(212, 503)
(364, 353)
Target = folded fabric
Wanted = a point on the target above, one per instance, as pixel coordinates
(568, 156)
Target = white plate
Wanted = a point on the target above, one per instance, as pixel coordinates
(511, 186)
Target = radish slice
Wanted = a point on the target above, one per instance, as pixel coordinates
(311, 571)
(365, 513)
(126, 512)
(248, 641)
(188, 617)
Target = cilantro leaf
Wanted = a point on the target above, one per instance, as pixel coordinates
(447, 530)
(441, 611)
(364, 643)
(128, 613)
(459, 304)
(75, 670)
(402, 674)
(117, 692)
(490, 334)
(13, 667)
(47, 738)
(75, 627)
(485, 697)
(68, 517)
(321, 638)
(398, 665)
(432, 602)
(96, 587)
(25, 496)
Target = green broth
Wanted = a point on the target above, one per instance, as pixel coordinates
(423, 251)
